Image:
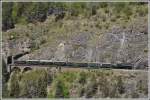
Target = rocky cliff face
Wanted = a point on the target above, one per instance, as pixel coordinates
(117, 45)
(106, 37)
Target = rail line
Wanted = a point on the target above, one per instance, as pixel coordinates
(48, 63)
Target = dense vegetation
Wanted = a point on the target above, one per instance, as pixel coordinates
(81, 83)
(30, 12)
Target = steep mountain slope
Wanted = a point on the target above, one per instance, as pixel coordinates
(76, 32)
(105, 37)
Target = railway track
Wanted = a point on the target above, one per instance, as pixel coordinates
(48, 63)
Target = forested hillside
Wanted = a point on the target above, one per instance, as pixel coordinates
(27, 12)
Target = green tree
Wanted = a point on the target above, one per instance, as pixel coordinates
(61, 91)
(13, 86)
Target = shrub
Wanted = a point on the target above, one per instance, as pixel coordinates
(35, 45)
(141, 87)
(61, 90)
(120, 85)
(91, 88)
(82, 78)
(13, 35)
(34, 84)
(142, 11)
(13, 85)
